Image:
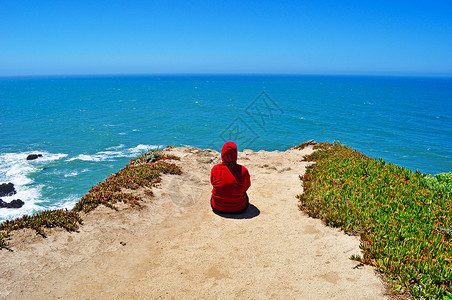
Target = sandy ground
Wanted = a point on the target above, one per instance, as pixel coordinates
(175, 247)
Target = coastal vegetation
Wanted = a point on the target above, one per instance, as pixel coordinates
(144, 171)
(403, 218)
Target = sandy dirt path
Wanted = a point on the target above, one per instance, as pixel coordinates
(175, 247)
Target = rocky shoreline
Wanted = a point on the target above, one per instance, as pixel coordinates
(8, 189)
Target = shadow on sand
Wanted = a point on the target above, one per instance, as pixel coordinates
(251, 212)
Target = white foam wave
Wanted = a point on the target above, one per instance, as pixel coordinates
(71, 174)
(113, 153)
(66, 203)
(34, 205)
(86, 157)
(15, 168)
(17, 174)
(48, 157)
(30, 196)
(116, 147)
(141, 148)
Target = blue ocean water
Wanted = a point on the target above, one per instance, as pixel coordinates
(89, 127)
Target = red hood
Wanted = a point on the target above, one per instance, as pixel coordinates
(229, 152)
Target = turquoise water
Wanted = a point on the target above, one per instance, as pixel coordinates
(89, 127)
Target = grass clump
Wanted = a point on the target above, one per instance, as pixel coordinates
(403, 218)
(68, 220)
(144, 171)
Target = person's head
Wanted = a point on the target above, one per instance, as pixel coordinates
(229, 152)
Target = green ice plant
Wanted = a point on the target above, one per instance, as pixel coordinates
(441, 182)
(68, 220)
(448, 296)
(403, 219)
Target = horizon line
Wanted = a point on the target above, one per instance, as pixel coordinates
(339, 74)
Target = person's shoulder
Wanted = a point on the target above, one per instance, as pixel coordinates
(243, 168)
(218, 166)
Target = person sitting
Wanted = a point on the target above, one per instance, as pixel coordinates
(230, 182)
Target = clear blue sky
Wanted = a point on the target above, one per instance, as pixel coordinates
(264, 37)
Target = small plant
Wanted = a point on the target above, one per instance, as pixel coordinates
(3, 243)
(148, 157)
(441, 182)
(356, 257)
(305, 144)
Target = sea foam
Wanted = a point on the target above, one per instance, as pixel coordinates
(15, 168)
(113, 153)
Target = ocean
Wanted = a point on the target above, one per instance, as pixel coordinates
(87, 128)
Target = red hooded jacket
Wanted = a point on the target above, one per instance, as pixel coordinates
(230, 182)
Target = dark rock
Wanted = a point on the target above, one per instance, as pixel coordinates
(33, 156)
(7, 189)
(16, 203)
(13, 204)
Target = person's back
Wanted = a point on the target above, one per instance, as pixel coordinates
(230, 182)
